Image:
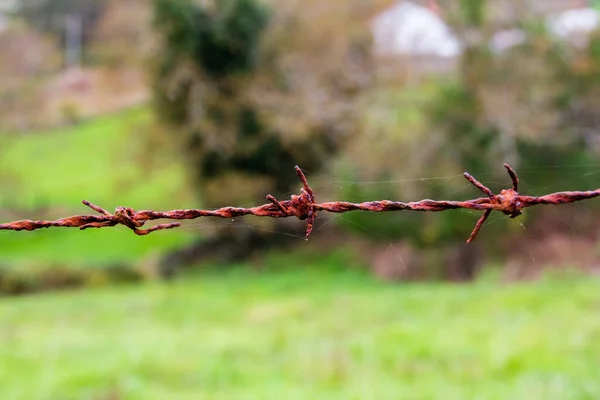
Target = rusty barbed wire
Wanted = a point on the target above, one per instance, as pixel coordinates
(305, 207)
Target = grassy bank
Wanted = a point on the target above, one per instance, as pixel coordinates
(304, 333)
(45, 175)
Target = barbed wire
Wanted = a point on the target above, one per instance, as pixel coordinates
(304, 207)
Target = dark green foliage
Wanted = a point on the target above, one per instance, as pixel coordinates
(457, 109)
(227, 43)
(220, 41)
(178, 22)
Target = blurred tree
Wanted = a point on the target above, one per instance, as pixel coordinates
(531, 100)
(536, 93)
(529, 104)
(252, 90)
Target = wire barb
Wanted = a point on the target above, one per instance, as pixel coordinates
(479, 185)
(304, 207)
(513, 177)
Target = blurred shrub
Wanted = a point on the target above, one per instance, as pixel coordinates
(35, 278)
(70, 112)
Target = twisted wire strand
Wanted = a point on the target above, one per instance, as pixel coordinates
(305, 207)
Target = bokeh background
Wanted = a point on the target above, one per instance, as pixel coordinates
(169, 104)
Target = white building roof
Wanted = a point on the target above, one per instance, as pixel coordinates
(574, 22)
(408, 28)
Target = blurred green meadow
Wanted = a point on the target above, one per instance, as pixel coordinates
(102, 160)
(304, 328)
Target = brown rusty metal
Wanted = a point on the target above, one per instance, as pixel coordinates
(304, 207)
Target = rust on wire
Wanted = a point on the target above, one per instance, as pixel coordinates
(305, 207)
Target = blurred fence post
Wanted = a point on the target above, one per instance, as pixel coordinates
(73, 40)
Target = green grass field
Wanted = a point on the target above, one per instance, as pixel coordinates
(46, 175)
(309, 331)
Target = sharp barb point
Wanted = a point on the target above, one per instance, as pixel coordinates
(96, 208)
(513, 176)
(479, 225)
(479, 185)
